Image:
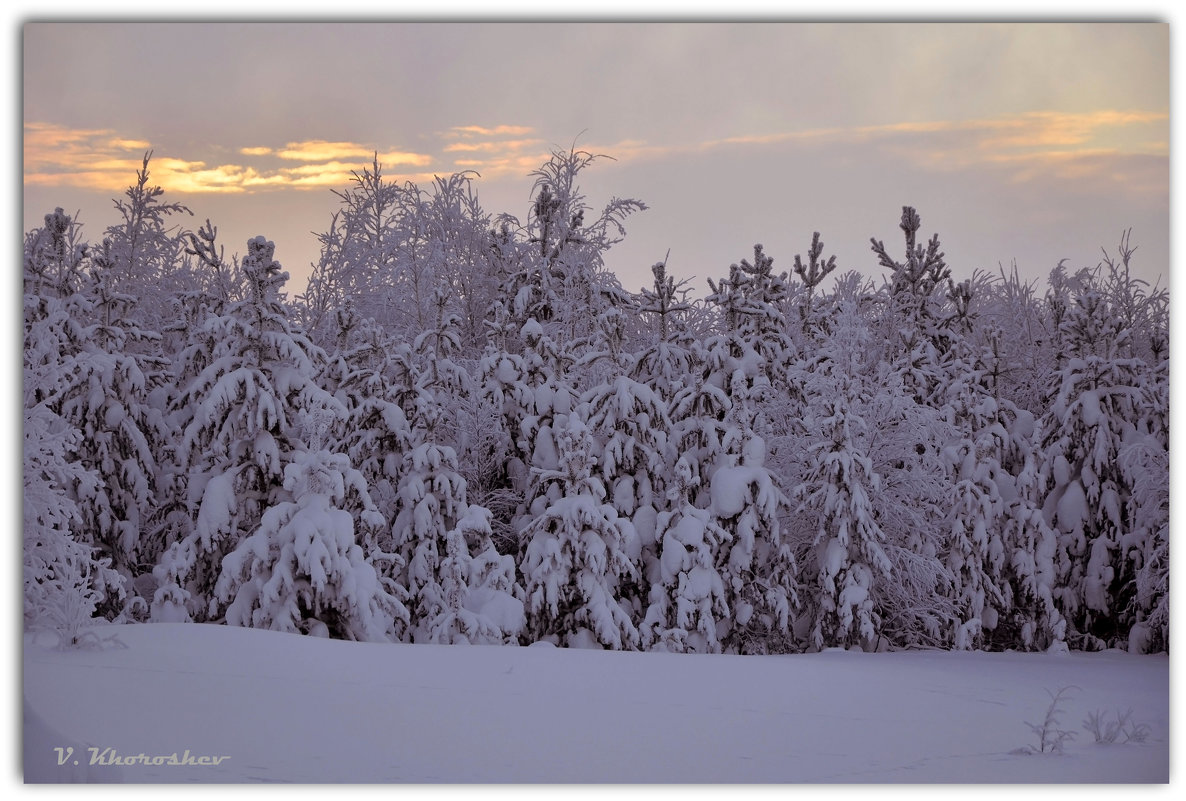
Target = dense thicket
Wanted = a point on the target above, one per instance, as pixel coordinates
(466, 430)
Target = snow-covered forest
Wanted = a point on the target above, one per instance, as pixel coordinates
(465, 429)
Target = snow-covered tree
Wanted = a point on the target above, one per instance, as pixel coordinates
(974, 552)
(376, 384)
(65, 580)
(849, 544)
(554, 262)
(630, 427)
(812, 274)
(757, 565)
(577, 557)
(913, 326)
(1091, 419)
(432, 503)
(240, 419)
(687, 604)
(141, 255)
(302, 570)
(478, 590)
(667, 361)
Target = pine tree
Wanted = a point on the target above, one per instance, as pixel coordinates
(813, 274)
(665, 364)
(915, 330)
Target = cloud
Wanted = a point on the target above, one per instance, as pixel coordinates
(498, 130)
(494, 151)
(1126, 149)
(101, 160)
(320, 150)
(1105, 148)
(493, 147)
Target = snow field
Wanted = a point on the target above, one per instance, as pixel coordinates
(287, 708)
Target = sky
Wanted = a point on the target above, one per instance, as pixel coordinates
(1017, 142)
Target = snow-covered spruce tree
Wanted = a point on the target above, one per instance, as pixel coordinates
(863, 428)
(432, 502)
(630, 428)
(375, 382)
(1032, 619)
(698, 427)
(974, 552)
(1087, 496)
(65, 579)
(548, 400)
(687, 605)
(849, 546)
(1144, 460)
(302, 570)
(727, 377)
(239, 418)
(480, 606)
(111, 403)
(755, 563)
(439, 377)
(577, 557)
(1145, 463)
(460, 588)
(506, 392)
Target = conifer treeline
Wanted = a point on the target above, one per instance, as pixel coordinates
(466, 429)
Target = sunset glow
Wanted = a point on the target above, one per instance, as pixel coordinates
(1087, 141)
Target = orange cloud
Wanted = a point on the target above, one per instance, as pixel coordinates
(101, 160)
(493, 147)
(130, 144)
(498, 130)
(395, 157)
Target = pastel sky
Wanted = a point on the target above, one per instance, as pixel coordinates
(1024, 141)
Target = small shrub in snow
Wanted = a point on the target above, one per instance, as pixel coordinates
(1050, 737)
(1120, 729)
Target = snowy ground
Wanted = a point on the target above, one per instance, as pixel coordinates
(286, 708)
